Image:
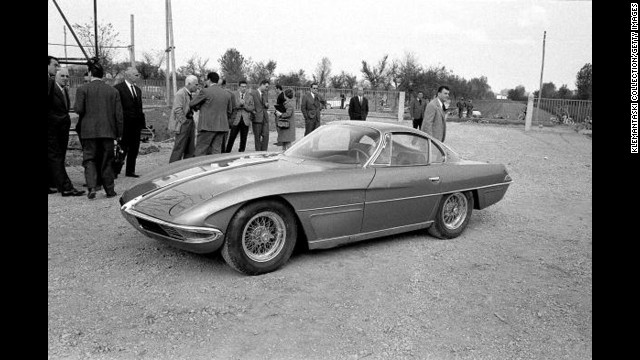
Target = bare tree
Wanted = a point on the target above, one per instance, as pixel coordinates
(375, 75)
(261, 71)
(195, 66)
(151, 65)
(107, 39)
(323, 72)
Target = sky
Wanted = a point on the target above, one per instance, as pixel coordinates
(499, 39)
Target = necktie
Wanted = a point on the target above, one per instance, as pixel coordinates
(420, 101)
(443, 108)
(133, 91)
(66, 97)
(242, 96)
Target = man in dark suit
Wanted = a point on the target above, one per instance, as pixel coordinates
(134, 120)
(214, 104)
(311, 106)
(58, 124)
(359, 106)
(417, 107)
(260, 122)
(100, 110)
(53, 68)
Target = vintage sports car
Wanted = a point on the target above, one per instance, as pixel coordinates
(345, 182)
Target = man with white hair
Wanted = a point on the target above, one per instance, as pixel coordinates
(58, 124)
(134, 120)
(181, 122)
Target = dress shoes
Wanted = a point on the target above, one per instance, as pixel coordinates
(73, 192)
(111, 193)
(91, 194)
(132, 175)
(52, 191)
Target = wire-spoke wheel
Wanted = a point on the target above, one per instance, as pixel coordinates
(453, 215)
(454, 211)
(263, 236)
(260, 237)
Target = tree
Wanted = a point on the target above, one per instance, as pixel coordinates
(583, 83)
(564, 92)
(408, 72)
(392, 76)
(107, 38)
(261, 71)
(517, 94)
(195, 66)
(151, 65)
(342, 81)
(375, 75)
(292, 79)
(233, 65)
(323, 72)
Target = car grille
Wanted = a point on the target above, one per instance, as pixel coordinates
(160, 229)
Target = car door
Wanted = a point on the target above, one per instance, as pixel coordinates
(405, 187)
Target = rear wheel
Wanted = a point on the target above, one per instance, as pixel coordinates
(454, 212)
(260, 237)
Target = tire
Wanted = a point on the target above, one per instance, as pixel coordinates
(452, 217)
(260, 237)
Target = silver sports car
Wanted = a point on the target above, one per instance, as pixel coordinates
(345, 182)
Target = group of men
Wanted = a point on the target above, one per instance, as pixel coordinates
(431, 117)
(463, 105)
(223, 114)
(106, 115)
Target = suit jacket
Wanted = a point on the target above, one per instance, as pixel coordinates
(134, 119)
(215, 108)
(261, 106)
(180, 110)
(245, 112)
(416, 109)
(100, 111)
(358, 111)
(434, 122)
(58, 106)
(311, 107)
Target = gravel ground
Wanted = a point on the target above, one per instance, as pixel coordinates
(516, 285)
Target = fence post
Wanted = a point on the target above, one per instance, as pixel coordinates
(401, 106)
(527, 119)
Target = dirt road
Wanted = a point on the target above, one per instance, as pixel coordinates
(516, 285)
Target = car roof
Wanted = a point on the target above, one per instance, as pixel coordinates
(381, 126)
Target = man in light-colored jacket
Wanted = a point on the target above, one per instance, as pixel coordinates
(181, 122)
(434, 122)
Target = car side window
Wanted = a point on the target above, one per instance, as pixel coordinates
(409, 150)
(385, 155)
(437, 155)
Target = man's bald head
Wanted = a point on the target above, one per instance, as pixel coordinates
(62, 76)
(132, 75)
(191, 83)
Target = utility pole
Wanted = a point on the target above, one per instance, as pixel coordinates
(64, 29)
(95, 23)
(173, 54)
(166, 75)
(132, 54)
(544, 40)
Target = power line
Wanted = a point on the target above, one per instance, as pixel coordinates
(111, 47)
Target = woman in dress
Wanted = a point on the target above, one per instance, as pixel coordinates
(287, 135)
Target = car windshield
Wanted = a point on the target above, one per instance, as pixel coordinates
(342, 144)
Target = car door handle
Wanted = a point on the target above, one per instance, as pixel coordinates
(435, 179)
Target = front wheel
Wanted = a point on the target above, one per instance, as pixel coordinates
(454, 212)
(260, 238)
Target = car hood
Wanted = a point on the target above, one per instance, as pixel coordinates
(170, 192)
